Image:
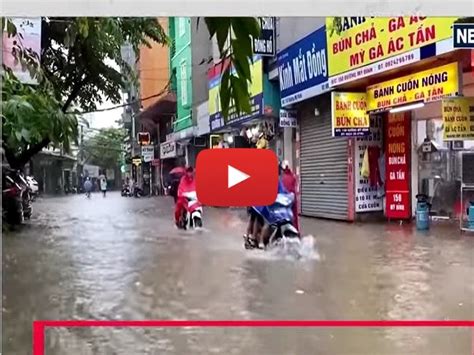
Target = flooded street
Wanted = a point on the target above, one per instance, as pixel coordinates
(122, 258)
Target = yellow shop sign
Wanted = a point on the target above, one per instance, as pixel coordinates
(425, 86)
(355, 42)
(349, 114)
(458, 118)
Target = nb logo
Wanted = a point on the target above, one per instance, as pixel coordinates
(463, 35)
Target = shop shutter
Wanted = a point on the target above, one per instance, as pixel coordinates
(323, 165)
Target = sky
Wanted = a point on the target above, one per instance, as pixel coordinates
(105, 119)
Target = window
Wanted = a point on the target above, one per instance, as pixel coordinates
(181, 26)
(184, 83)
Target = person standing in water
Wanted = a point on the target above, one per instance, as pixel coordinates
(103, 185)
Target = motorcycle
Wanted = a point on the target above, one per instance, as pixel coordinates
(137, 191)
(279, 217)
(126, 191)
(192, 216)
(16, 197)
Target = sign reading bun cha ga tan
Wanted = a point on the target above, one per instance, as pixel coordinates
(425, 86)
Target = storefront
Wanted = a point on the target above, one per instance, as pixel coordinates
(410, 135)
(320, 160)
(411, 79)
(171, 155)
(244, 130)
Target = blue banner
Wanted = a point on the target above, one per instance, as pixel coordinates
(303, 69)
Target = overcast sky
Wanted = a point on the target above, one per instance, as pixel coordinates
(105, 119)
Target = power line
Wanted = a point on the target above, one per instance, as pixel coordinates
(165, 90)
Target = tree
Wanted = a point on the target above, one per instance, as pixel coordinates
(76, 71)
(104, 148)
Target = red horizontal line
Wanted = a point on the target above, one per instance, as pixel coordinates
(255, 323)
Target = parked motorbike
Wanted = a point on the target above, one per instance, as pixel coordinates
(16, 197)
(279, 217)
(137, 192)
(34, 187)
(192, 216)
(126, 191)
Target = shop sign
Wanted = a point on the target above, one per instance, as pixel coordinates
(168, 150)
(397, 166)
(368, 198)
(302, 68)
(349, 114)
(265, 43)
(356, 43)
(428, 85)
(148, 153)
(458, 118)
(29, 35)
(288, 118)
(136, 161)
(216, 118)
(143, 138)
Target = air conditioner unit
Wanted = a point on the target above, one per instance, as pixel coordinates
(199, 141)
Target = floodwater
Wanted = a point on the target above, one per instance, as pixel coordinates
(119, 258)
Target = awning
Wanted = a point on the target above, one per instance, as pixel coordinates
(164, 108)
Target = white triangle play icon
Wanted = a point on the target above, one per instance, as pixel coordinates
(235, 176)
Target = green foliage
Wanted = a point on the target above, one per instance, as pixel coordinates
(77, 70)
(105, 148)
(238, 33)
(30, 115)
(78, 56)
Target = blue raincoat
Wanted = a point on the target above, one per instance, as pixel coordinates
(280, 210)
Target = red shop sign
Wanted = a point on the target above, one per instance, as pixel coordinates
(397, 166)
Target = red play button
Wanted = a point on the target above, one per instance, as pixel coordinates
(236, 177)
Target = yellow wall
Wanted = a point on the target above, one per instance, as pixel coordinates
(153, 68)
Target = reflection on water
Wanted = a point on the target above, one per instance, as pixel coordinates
(118, 258)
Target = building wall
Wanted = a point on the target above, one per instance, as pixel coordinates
(292, 29)
(181, 65)
(153, 68)
(201, 53)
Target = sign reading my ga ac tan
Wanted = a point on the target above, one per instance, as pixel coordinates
(458, 119)
(428, 85)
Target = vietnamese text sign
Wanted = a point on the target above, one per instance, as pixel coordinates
(458, 118)
(367, 197)
(349, 114)
(428, 85)
(302, 68)
(216, 118)
(168, 150)
(397, 166)
(148, 153)
(288, 118)
(265, 43)
(360, 41)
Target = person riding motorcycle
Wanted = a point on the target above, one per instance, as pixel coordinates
(186, 184)
(263, 217)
